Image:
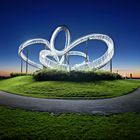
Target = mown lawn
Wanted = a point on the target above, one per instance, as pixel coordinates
(26, 85)
(21, 124)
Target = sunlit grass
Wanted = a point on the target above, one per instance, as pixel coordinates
(26, 85)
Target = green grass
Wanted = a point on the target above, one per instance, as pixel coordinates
(26, 125)
(26, 85)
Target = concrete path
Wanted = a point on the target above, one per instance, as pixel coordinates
(126, 103)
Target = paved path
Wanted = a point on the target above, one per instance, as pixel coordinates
(126, 103)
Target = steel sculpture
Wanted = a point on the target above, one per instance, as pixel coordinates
(55, 59)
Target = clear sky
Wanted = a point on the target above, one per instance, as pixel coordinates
(21, 20)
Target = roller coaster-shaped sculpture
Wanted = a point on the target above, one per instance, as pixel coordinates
(52, 58)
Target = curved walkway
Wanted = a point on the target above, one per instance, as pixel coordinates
(126, 103)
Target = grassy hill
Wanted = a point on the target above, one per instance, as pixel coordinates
(21, 124)
(26, 85)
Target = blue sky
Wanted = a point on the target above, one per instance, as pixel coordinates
(26, 19)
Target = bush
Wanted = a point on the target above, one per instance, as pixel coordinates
(59, 75)
(4, 77)
(18, 74)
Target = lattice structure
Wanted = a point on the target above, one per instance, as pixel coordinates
(55, 59)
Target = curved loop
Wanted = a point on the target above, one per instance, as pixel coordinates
(55, 33)
(30, 42)
(45, 60)
(101, 61)
(60, 63)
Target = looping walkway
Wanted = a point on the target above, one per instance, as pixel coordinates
(126, 103)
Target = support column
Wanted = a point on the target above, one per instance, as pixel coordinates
(67, 60)
(86, 51)
(21, 66)
(111, 65)
(27, 53)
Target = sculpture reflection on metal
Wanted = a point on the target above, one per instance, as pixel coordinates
(55, 59)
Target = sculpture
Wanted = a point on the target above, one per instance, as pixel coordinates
(58, 57)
